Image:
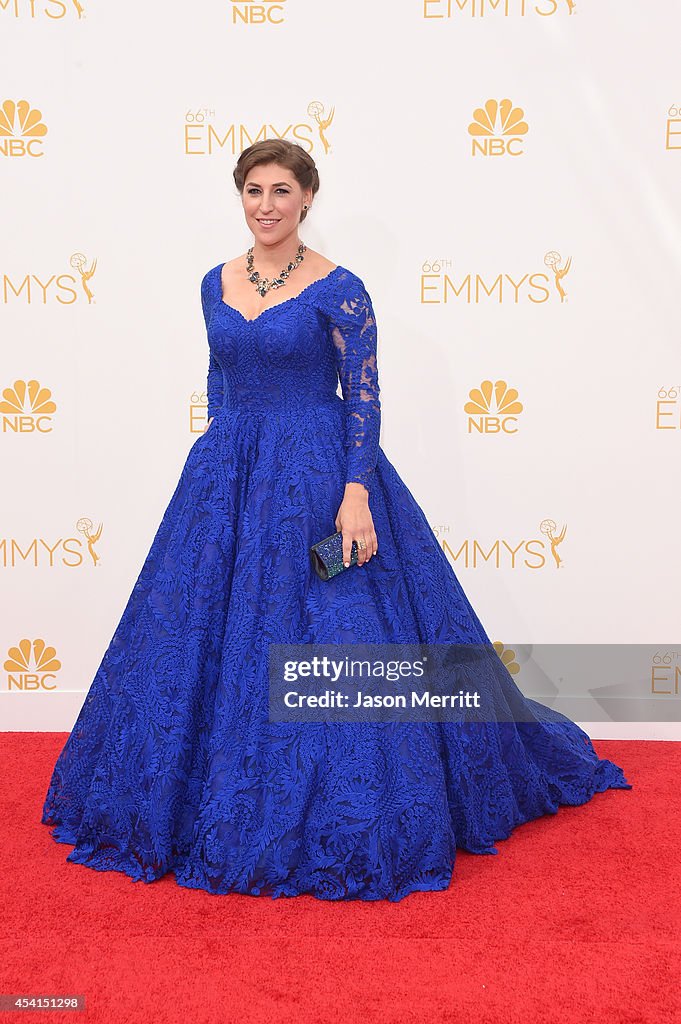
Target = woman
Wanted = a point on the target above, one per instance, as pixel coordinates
(174, 763)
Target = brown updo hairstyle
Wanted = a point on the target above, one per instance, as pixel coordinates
(286, 154)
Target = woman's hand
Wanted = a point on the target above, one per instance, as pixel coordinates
(355, 522)
(208, 424)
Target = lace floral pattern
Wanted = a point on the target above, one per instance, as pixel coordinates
(353, 331)
(173, 764)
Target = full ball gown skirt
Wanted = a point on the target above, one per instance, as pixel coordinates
(173, 764)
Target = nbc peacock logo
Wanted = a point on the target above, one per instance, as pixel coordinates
(31, 666)
(27, 408)
(204, 135)
(250, 12)
(22, 129)
(498, 129)
(508, 656)
(493, 408)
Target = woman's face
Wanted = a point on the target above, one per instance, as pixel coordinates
(273, 202)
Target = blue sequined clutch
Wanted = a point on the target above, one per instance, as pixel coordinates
(327, 556)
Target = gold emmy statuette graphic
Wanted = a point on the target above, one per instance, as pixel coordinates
(79, 9)
(548, 528)
(552, 260)
(84, 526)
(78, 262)
(316, 110)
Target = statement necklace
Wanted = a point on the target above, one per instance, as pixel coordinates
(264, 285)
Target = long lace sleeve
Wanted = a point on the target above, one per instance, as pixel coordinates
(214, 382)
(354, 334)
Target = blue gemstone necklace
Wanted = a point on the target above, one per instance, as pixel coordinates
(262, 286)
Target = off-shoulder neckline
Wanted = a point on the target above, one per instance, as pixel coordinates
(268, 309)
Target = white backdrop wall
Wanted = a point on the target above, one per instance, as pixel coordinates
(544, 255)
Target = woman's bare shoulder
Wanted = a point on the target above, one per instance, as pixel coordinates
(321, 264)
(234, 265)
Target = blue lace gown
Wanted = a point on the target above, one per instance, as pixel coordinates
(173, 765)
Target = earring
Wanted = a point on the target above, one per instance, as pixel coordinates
(305, 206)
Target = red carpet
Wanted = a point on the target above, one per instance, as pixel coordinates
(576, 919)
